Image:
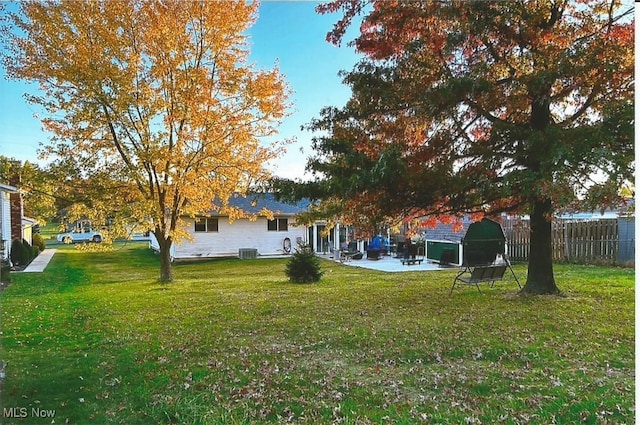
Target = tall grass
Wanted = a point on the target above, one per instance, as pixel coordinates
(97, 340)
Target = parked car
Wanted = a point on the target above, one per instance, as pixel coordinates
(80, 235)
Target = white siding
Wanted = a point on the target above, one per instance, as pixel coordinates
(231, 237)
(5, 207)
(153, 244)
(27, 233)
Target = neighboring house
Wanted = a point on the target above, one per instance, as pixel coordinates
(28, 224)
(214, 236)
(6, 224)
(13, 224)
(446, 232)
(443, 243)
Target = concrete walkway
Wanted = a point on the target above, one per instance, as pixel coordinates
(40, 262)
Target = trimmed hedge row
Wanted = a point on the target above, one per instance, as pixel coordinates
(22, 252)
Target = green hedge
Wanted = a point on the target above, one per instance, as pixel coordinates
(22, 252)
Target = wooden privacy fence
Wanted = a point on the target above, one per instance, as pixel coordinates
(571, 240)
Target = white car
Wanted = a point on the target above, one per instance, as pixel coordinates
(80, 235)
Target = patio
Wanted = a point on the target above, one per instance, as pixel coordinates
(391, 264)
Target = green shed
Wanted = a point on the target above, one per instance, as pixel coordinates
(443, 252)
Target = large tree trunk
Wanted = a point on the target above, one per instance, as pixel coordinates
(540, 278)
(166, 272)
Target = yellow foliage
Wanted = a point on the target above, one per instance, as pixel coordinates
(161, 93)
(95, 247)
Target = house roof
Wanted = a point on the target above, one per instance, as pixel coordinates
(8, 188)
(257, 202)
(28, 221)
(446, 232)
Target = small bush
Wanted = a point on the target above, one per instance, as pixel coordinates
(19, 254)
(35, 251)
(304, 266)
(29, 250)
(38, 241)
(5, 270)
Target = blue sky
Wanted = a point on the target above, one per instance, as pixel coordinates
(288, 33)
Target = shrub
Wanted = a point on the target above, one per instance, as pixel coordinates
(29, 250)
(38, 241)
(19, 254)
(303, 266)
(35, 251)
(5, 269)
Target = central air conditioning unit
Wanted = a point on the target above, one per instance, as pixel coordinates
(248, 253)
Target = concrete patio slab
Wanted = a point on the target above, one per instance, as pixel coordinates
(392, 265)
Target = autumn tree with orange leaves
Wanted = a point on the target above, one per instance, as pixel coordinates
(479, 107)
(153, 101)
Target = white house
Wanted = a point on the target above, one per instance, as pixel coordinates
(5, 219)
(214, 236)
(28, 225)
(13, 223)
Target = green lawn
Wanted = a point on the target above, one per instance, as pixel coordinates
(95, 339)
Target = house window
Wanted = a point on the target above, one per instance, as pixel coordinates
(278, 225)
(206, 225)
